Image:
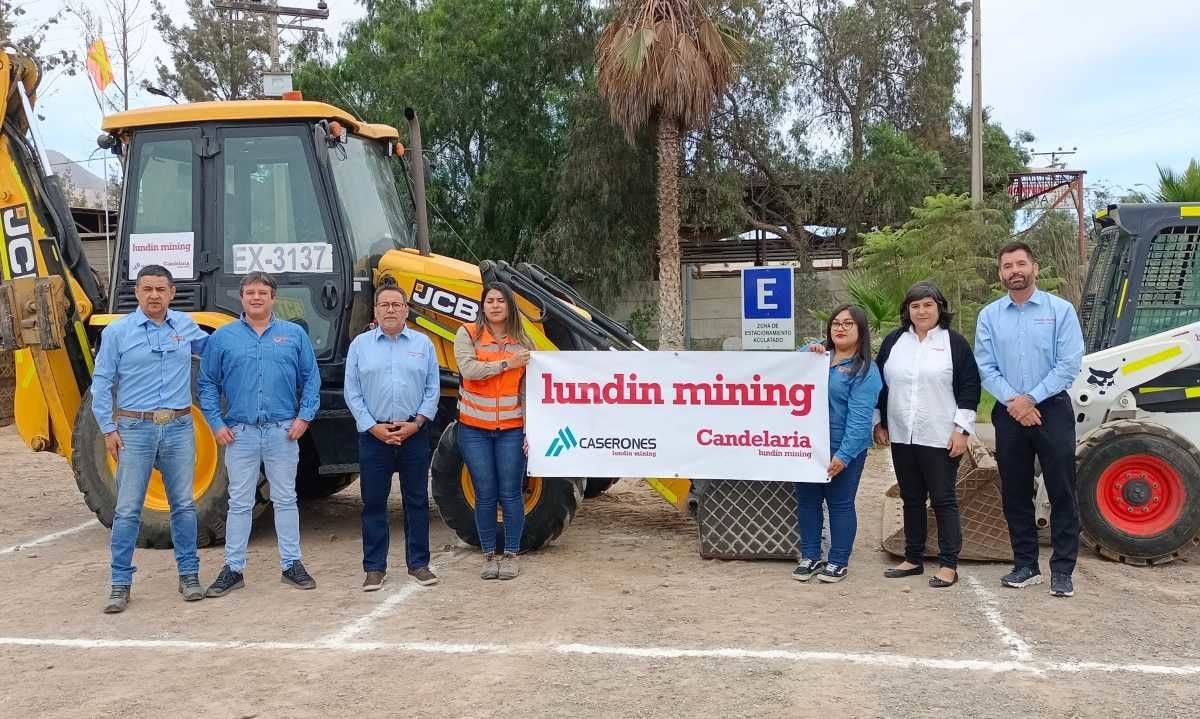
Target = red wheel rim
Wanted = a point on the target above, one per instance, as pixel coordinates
(1141, 495)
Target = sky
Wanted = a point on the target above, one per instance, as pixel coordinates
(1119, 80)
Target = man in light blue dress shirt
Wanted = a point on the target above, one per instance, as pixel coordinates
(266, 370)
(147, 357)
(1029, 348)
(392, 387)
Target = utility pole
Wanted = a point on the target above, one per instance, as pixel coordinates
(976, 108)
(279, 19)
(1054, 155)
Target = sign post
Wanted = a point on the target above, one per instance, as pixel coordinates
(768, 309)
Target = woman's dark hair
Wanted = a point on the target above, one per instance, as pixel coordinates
(862, 358)
(921, 291)
(512, 326)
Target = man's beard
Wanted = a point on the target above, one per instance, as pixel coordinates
(1012, 282)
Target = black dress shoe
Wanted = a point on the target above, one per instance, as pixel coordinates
(939, 583)
(894, 573)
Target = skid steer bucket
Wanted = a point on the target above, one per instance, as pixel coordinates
(985, 533)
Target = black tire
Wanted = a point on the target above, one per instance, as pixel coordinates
(310, 484)
(1113, 443)
(596, 487)
(323, 487)
(544, 522)
(89, 461)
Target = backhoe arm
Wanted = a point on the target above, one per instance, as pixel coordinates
(47, 288)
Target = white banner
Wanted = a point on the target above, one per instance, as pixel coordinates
(716, 415)
(173, 250)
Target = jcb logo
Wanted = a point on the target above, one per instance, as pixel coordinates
(18, 241)
(445, 302)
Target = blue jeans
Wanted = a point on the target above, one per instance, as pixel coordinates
(377, 462)
(838, 494)
(256, 446)
(171, 448)
(496, 460)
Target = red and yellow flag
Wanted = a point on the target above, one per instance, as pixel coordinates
(98, 66)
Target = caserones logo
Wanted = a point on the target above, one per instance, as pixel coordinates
(561, 443)
(633, 446)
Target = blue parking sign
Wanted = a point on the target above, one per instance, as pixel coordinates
(767, 293)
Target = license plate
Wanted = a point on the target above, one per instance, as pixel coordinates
(300, 257)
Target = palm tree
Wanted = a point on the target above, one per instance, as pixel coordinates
(665, 63)
(1182, 187)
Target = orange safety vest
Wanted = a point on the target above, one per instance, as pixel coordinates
(495, 402)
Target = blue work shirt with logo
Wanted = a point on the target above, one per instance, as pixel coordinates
(1035, 348)
(852, 400)
(267, 378)
(391, 378)
(150, 364)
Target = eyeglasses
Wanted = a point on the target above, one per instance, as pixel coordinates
(393, 306)
(843, 324)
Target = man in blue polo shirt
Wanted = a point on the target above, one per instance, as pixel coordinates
(1029, 348)
(266, 370)
(147, 356)
(392, 388)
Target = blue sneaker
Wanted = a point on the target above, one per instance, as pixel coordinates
(1061, 586)
(807, 569)
(833, 573)
(1021, 577)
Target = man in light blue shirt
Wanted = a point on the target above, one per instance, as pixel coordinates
(147, 357)
(266, 370)
(1029, 348)
(392, 387)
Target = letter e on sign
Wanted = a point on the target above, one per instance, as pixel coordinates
(768, 309)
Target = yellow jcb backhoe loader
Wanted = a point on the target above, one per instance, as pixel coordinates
(300, 189)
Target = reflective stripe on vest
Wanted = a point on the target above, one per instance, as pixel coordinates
(495, 402)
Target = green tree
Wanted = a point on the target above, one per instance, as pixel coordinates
(946, 242)
(898, 174)
(493, 103)
(664, 63)
(216, 57)
(15, 32)
(1178, 186)
(876, 60)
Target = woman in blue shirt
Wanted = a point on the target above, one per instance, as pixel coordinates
(854, 385)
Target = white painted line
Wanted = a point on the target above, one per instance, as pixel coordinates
(360, 625)
(50, 537)
(1036, 668)
(987, 603)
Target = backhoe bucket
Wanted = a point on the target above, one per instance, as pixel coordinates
(985, 532)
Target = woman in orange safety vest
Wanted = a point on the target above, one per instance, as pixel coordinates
(492, 355)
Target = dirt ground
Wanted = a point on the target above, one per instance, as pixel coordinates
(619, 618)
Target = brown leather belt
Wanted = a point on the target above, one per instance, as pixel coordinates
(158, 416)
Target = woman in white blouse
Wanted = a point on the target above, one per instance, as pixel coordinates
(926, 412)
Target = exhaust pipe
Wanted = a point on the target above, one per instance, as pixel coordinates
(418, 172)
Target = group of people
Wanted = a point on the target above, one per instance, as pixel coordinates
(919, 395)
(259, 389)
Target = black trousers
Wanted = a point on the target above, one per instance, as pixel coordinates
(928, 473)
(1053, 443)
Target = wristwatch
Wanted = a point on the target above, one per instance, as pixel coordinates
(503, 364)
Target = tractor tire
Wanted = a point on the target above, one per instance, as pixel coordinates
(95, 478)
(596, 487)
(1139, 492)
(326, 486)
(550, 503)
(310, 483)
